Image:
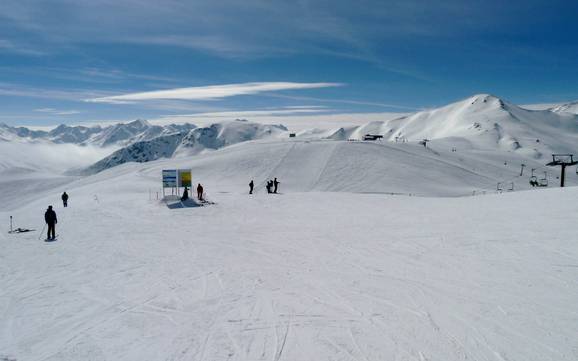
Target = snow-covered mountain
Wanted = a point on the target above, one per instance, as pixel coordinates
(215, 136)
(481, 122)
(121, 134)
(485, 122)
(571, 107)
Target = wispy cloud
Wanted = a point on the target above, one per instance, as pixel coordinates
(16, 90)
(347, 101)
(8, 46)
(57, 111)
(291, 110)
(211, 92)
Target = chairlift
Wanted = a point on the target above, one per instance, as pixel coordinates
(544, 181)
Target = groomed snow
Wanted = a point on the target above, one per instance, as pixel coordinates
(303, 275)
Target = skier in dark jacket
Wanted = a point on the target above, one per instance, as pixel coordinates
(65, 199)
(251, 184)
(275, 184)
(200, 192)
(269, 185)
(185, 194)
(50, 219)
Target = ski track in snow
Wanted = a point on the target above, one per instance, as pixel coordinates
(298, 276)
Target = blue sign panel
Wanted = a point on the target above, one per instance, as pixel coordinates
(169, 178)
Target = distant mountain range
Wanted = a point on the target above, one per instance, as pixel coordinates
(121, 134)
(481, 122)
(194, 141)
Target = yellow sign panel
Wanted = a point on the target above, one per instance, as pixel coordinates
(184, 178)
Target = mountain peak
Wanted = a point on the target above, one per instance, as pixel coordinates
(570, 107)
(139, 123)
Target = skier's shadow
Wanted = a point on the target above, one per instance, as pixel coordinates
(189, 203)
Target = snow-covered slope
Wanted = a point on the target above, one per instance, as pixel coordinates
(362, 167)
(216, 136)
(486, 122)
(145, 151)
(293, 276)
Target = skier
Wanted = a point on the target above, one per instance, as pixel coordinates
(185, 194)
(269, 185)
(200, 192)
(50, 219)
(65, 199)
(251, 184)
(275, 184)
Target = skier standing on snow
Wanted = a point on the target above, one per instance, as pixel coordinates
(50, 219)
(269, 185)
(65, 199)
(251, 184)
(200, 192)
(275, 184)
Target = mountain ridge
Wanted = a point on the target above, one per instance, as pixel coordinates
(120, 134)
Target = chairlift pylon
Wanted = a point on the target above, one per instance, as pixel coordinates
(533, 179)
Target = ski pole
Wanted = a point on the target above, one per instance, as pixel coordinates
(41, 232)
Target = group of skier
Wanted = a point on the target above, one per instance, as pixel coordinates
(199, 193)
(271, 186)
(51, 219)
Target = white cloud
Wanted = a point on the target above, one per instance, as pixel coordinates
(56, 111)
(210, 92)
(10, 47)
(257, 113)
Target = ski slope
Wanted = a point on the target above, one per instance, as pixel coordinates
(317, 272)
(359, 167)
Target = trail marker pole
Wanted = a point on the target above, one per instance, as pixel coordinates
(562, 160)
(10, 224)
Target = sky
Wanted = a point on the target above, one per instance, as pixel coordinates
(73, 61)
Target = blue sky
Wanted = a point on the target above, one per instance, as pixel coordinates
(69, 61)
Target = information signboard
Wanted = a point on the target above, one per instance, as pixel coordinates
(169, 178)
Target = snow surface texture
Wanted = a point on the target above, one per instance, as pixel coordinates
(295, 276)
